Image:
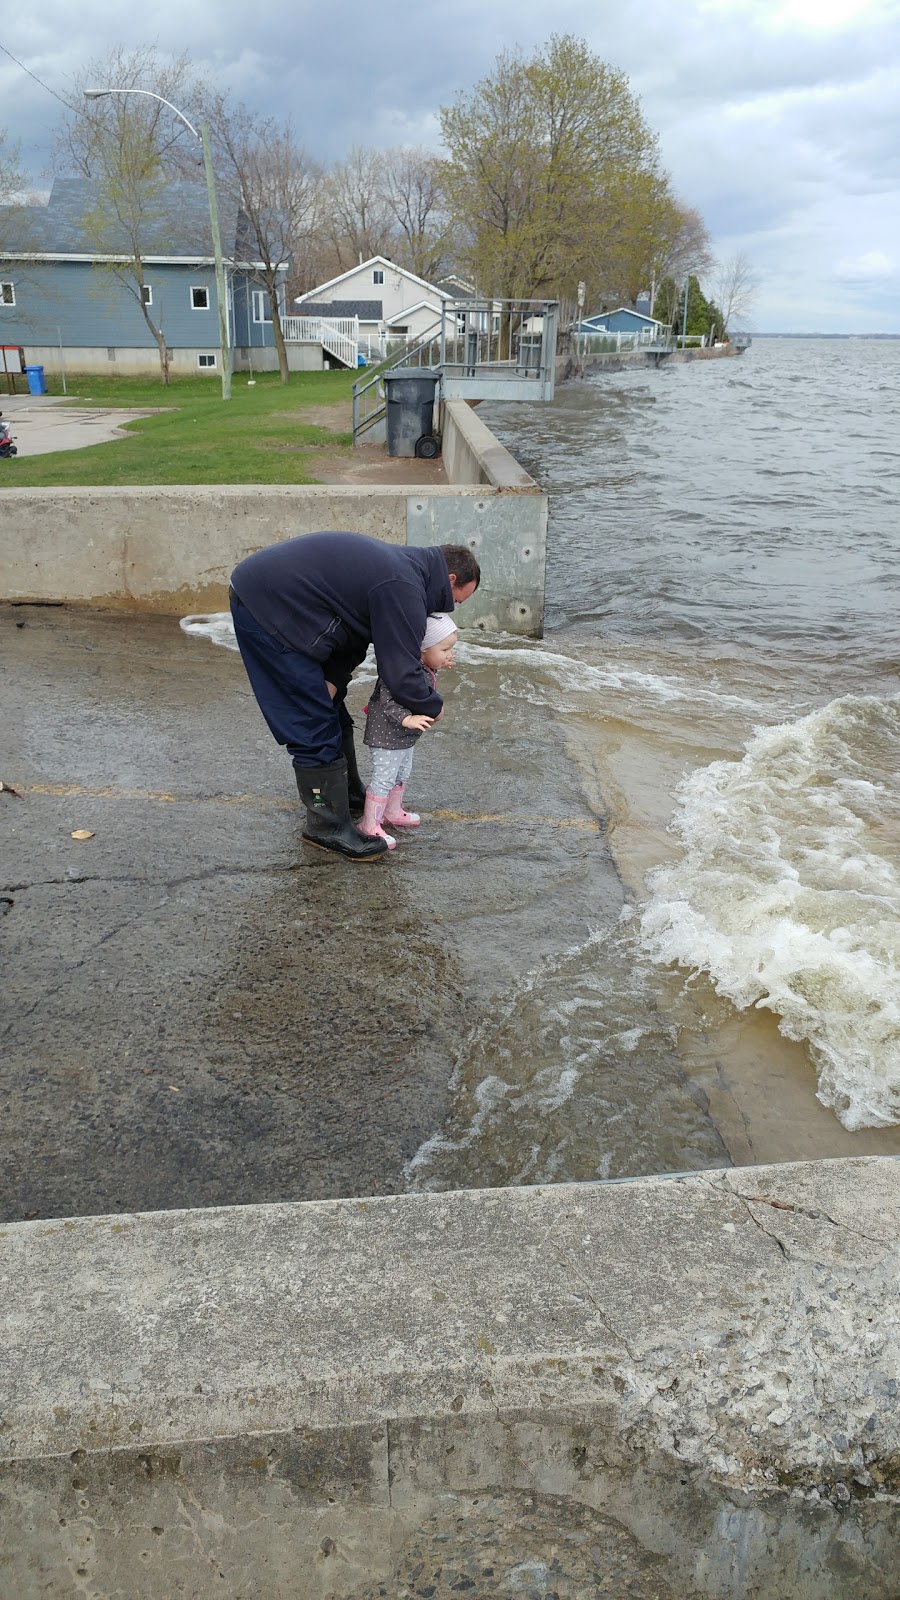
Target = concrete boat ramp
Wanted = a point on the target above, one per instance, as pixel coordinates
(239, 1359)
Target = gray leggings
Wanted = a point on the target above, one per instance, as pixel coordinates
(390, 767)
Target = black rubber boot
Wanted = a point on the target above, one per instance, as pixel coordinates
(356, 789)
(323, 791)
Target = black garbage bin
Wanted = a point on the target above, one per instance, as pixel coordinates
(409, 394)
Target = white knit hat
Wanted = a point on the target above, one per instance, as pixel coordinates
(440, 626)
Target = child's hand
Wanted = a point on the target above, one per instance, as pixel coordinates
(331, 687)
(418, 724)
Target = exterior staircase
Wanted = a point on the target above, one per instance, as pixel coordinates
(338, 336)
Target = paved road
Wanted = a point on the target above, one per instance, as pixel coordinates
(43, 423)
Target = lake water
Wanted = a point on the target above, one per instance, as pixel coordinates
(721, 653)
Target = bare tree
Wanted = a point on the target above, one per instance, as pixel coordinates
(736, 286)
(130, 147)
(12, 178)
(412, 192)
(12, 192)
(82, 141)
(275, 185)
(360, 220)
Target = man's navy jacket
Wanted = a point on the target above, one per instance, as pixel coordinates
(329, 595)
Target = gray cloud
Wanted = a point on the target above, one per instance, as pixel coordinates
(782, 129)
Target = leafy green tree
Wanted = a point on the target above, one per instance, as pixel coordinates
(697, 308)
(546, 157)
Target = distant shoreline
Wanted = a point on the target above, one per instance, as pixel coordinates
(826, 335)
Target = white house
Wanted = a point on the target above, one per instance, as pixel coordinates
(394, 307)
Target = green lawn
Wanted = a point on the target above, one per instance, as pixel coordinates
(258, 436)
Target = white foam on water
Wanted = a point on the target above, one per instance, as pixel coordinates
(566, 678)
(217, 627)
(788, 893)
(572, 675)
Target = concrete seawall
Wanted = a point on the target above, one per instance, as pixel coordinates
(663, 1388)
(588, 366)
(171, 549)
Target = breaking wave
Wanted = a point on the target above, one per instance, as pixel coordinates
(788, 893)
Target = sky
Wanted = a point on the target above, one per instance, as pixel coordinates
(778, 119)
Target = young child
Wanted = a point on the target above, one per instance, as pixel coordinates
(392, 733)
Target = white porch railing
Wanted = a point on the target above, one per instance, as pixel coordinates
(597, 341)
(338, 335)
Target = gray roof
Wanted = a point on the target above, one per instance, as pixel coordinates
(366, 310)
(458, 289)
(177, 224)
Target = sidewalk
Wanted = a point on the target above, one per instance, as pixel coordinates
(199, 1008)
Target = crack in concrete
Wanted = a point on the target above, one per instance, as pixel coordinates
(791, 1207)
(47, 994)
(226, 870)
(574, 1267)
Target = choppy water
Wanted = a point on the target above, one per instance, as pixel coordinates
(722, 651)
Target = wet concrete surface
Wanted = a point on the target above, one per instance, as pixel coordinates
(199, 1009)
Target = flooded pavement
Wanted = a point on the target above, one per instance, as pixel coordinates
(197, 1008)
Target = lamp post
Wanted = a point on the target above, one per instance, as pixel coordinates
(687, 284)
(221, 291)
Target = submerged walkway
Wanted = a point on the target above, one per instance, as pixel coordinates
(201, 1010)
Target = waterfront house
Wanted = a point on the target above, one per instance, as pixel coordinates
(393, 305)
(63, 299)
(621, 320)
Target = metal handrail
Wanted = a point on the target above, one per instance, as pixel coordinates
(362, 386)
(476, 344)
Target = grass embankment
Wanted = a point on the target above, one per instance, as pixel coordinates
(258, 436)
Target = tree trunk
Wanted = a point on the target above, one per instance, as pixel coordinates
(278, 335)
(163, 355)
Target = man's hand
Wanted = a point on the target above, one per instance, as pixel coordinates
(418, 724)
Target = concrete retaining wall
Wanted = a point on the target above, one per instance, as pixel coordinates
(657, 1389)
(571, 366)
(171, 550)
(473, 455)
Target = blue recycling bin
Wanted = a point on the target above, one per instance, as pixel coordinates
(36, 384)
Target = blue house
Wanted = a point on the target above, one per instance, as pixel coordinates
(622, 320)
(66, 300)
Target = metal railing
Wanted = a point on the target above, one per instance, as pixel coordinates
(485, 349)
(369, 405)
(338, 335)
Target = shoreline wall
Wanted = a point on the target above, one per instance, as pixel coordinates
(171, 549)
(570, 366)
(691, 1380)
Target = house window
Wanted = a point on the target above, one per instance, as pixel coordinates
(378, 275)
(7, 294)
(206, 361)
(262, 306)
(397, 328)
(199, 297)
(147, 294)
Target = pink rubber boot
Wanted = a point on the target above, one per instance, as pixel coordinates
(394, 812)
(370, 822)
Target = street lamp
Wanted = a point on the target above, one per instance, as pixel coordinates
(687, 285)
(221, 292)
